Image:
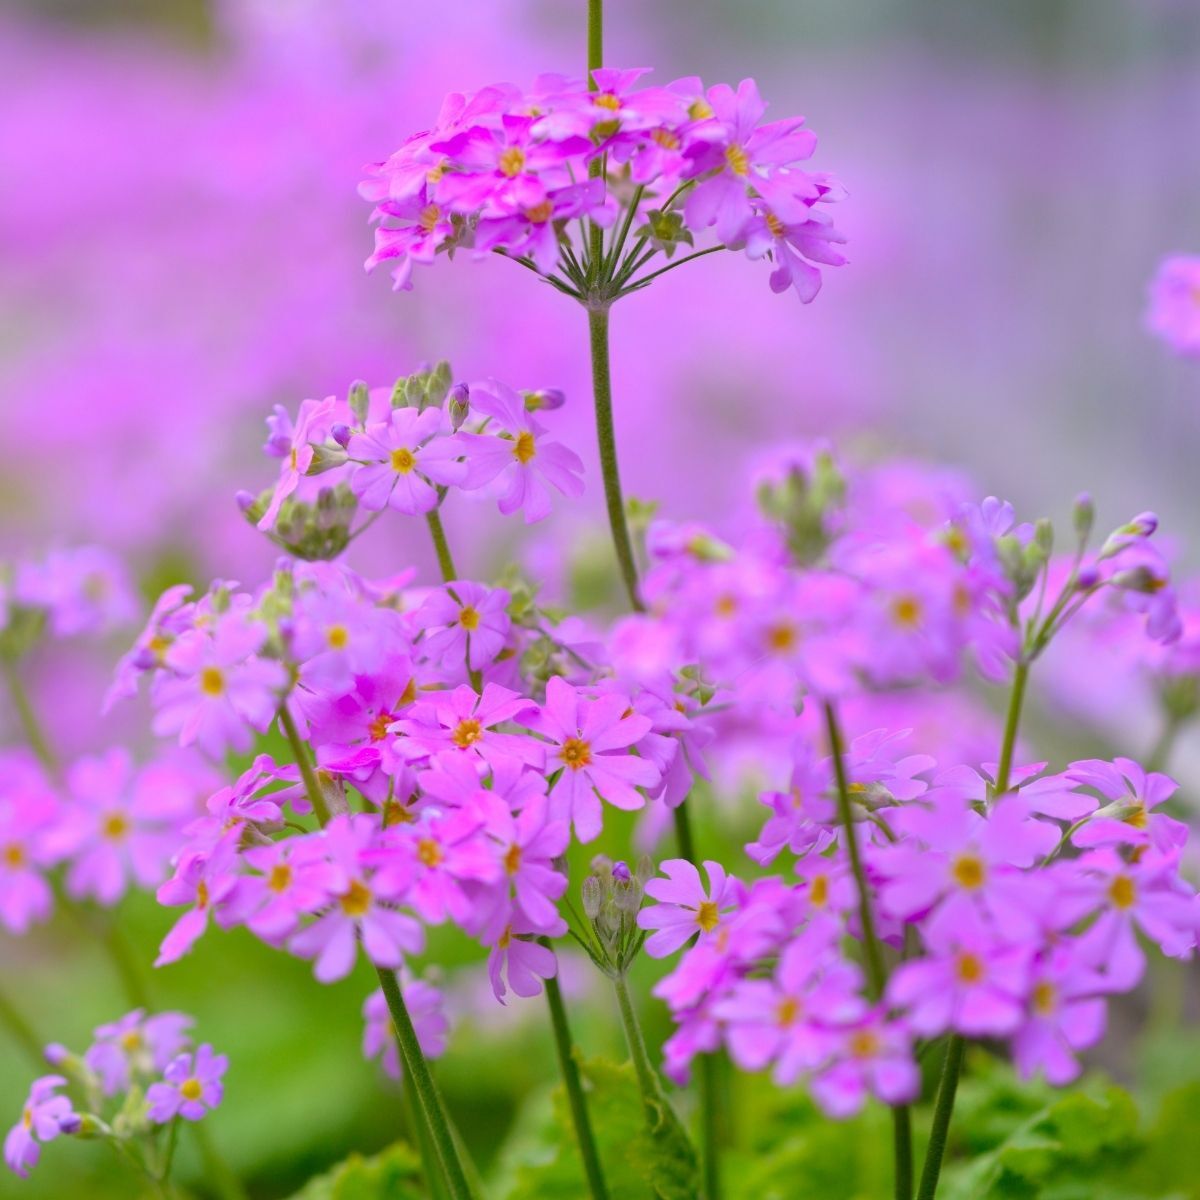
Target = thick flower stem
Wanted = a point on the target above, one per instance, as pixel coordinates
(575, 1093)
(421, 1078)
(652, 1097)
(438, 533)
(683, 832)
(595, 60)
(942, 1110)
(419, 1130)
(876, 972)
(952, 1065)
(606, 440)
(709, 1082)
(300, 753)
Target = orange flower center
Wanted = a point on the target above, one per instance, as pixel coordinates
(576, 753)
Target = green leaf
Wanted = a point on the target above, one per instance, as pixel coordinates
(393, 1174)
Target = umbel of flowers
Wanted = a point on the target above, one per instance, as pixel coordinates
(449, 740)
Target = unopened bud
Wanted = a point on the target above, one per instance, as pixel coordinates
(621, 872)
(1043, 535)
(245, 502)
(1139, 579)
(359, 400)
(341, 434)
(1088, 578)
(438, 383)
(544, 400)
(459, 404)
(1083, 515)
(399, 389)
(592, 897)
(56, 1054)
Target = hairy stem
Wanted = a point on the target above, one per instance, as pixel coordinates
(575, 1093)
(648, 1085)
(445, 562)
(943, 1108)
(595, 60)
(606, 440)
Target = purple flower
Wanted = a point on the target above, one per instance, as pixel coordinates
(520, 466)
(291, 878)
(685, 908)
(1128, 819)
(41, 1121)
(464, 624)
(85, 590)
(1066, 1014)
(425, 1005)
(293, 444)
(523, 963)
(203, 880)
(29, 814)
(191, 1087)
(404, 460)
(136, 1044)
(870, 1057)
(590, 741)
(1174, 309)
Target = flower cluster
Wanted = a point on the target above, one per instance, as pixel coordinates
(139, 1075)
(507, 171)
(1013, 915)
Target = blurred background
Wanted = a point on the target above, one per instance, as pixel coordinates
(181, 246)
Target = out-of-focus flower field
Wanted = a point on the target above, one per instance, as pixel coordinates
(182, 247)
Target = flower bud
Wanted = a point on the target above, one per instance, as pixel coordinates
(359, 400)
(1083, 516)
(592, 897)
(341, 434)
(438, 383)
(621, 872)
(399, 389)
(459, 405)
(1088, 578)
(1139, 579)
(544, 400)
(1043, 535)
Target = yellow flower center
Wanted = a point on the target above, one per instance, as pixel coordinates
(294, 458)
(737, 160)
(906, 611)
(280, 877)
(429, 852)
(396, 812)
(378, 728)
(212, 681)
(466, 733)
(403, 460)
(512, 161)
(468, 618)
(539, 214)
(434, 174)
(775, 225)
(782, 637)
(27, 1118)
(115, 826)
(787, 1011)
(707, 916)
(202, 895)
(700, 110)
(1138, 818)
(607, 101)
(158, 646)
(428, 217)
(1045, 996)
(524, 448)
(505, 938)
(355, 900)
(818, 892)
(338, 637)
(512, 860)
(665, 138)
(131, 1041)
(725, 606)
(969, 871)
(14, 856)
(408, 695)
(191, 1089)
(576, 753)
(969, 968)
(1122, 892)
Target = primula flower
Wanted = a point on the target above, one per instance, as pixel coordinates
(404, 460)
(290, 878)
(29, 817)
(84, 590)
(589, 751)
(425, 1005)
(870, 1057)
(293, 443)
(522, 465)
(203, 880)
(41, 1120)
(1174, 308)
(464, 623)
(218, 690)
(136, 1044)
(191, 1087)
(519, 961)
(1128, 819)
(684, 908)
(1066, 1014)
(337, 637)
(465, 721)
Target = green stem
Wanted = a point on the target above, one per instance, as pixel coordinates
(952, 1065)
(430, 1167)
(575, 1093)
(683, 832)
(943, 1109)
(26, 714)
(876, 972)
(21, 1031)
(709, 1083)
(304, 762)
(638, 284)
(445, 562)
(652, 1097)
(606, 440)
(595, 60)
(421, 1078)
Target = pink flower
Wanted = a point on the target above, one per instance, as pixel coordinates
(1066, 1014)
(403, 461)
(291, 878)
(425, 1005)
(464, 624)
(520, 466)
(1128, 819)
(871, 1057)
(293, 443)
(203, 880)
(685, 909)
(1174, 309)
(84, 590)
(590, 741)
(41, 1121)
(135, 1044)
(466, 722)
(523, 963)
(191, 1087)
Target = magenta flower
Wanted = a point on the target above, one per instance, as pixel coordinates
(203, 880)
(425, 1005)
(41, 1120)
(464, 624)
(589, 752)
(523, 963)
(684, 908)
(870, 1057)
(522, 465)
(359, 912)
(291, 878)
(403, 460)
(191, 1087)
(464, 721)
(1066, 1014)
(1174, 309)
(219, 691)
(1128, 819)
(293, 444)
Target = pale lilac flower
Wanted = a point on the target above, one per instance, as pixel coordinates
(135, 1044)
(191, 1087)
(684, 907)
(425, 1005)
(29, 816)
(464, 623)
(523, 963)
(84, 590)
(291, 878)
(203, 880)
(41, 1121)
(1128, 819)
(1066, 1014)
(293, 444)
(404, 460)
(871, 1057)
(1174, 308)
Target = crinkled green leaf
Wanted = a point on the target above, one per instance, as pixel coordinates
(394, 1174)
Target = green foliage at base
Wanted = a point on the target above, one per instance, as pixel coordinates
(395, 1174)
